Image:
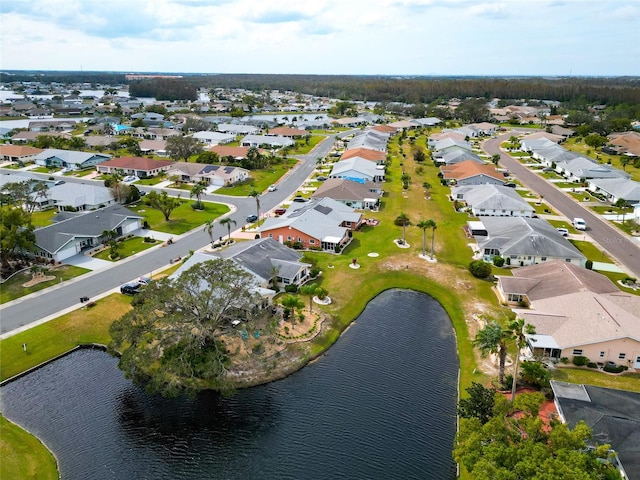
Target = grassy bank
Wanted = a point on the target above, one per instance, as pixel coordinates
(23, 455)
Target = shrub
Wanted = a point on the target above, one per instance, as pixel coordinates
(564, 360)
(291, 288)
(588, 265)
(297, 245)
(338, 248)
(257, 236)
(480, 269)
(314, 272)
(592, 365)
(498, 261)
(612, 369)
(580, 360)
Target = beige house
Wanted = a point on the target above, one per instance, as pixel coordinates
(576, 312)
(217, 175)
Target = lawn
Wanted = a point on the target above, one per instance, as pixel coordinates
(563, 224)
(42, 218)
(589, 376)
(592, 252)
(260, 179)
(302, 148)
(53, 338)
(151, 181)
(12, 288)
(182, 219)
(22, 452)
(128, 247)
(615, 276)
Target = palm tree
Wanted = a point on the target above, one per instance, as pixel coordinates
(291, 304)
(492, 339)
(514, 142)
(495, 159)
(403, 220)
(517, 330)
(309, 289)
(228, 221)
(197, 191)
(423, 225)
(256, 194)
(208, 227)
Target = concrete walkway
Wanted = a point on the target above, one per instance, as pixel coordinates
(607, 267)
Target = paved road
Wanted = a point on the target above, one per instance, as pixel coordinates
(620, 246)
(57, 299)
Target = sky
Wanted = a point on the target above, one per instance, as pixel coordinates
(352, 37)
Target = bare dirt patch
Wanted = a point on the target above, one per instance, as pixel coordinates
(38, 279)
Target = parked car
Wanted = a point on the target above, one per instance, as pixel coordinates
(280, 211)
(59, 182)
(131, 288)
(563, 231)
(251, 218)
(300, 200)
(510, 185)
(321, 178)
(272, 188)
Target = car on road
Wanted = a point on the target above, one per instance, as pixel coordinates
(251, 218)
(563, 231)
(299, 200)
(58, 182)
(280, 211)
(272, 188)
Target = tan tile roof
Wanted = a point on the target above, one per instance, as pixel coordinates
(385, 129)
(343, 189)
(469, 168)
(287, 132)
(366, 153)
(552, 279)
(19, 150)
(630, 141)
(235, 152)
(136, 163)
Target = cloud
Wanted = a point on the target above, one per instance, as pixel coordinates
(274, 16)
(491, 10)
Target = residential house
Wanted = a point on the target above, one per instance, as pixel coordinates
(81, 232)
(214, 138)
(155, 147)
(562, 131)
(493, 200)
(51, 125)
(150, 119)
(582, 168)
(266, 141)
(288, 132)
(18, 153)
(235, 153)
(139, 166)
(455, 155)
(612, 415)
(271, 263)
(525, 241)
(26, 136)
(404, 125)
(551, 155)
(470, 172)
(320, 224)
(528, 144)
(376, 156)
(615, 189)
(358, 169)
(428, 122)
(70, 159)
(626, 143)
(361, 196)
(235, 129)
(94, 141)
(214, 175)
(385, 129)
(370, 139)
(76, 197)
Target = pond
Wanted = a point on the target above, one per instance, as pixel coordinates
(379, 404)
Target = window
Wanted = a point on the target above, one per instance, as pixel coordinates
(271, 235)
(568, 260)
(543, 259)
(622, 356)
(312, 241)
(288, 239)
(602, 354)
(577, 351)
(347, 224)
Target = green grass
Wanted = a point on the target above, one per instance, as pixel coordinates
(42, 218)
(151, 181)
(589, 376)
(615, 276)
(128, 247)
(590, 251)
(260, 179)
(82, 173)
(12, 288)
(302, 148)
(182, 219)
(563, 224)
(43, 170)
(23, 455)
(53, 338)
(542, 209)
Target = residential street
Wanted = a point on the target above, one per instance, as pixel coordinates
(623, 248)
(52, 301)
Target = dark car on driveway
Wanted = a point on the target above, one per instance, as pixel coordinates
(130, 288)
(280, 211)
(251, 218)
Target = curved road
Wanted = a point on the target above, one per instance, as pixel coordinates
(622, 247)
(51, 302)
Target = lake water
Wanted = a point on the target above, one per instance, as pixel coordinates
(380, 404)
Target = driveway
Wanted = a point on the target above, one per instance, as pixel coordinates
(89, 263)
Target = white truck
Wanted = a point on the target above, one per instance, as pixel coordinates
(579, 223)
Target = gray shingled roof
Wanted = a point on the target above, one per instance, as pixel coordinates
(612, 415)
(70, 156)
(492, 197)
(344, 189)
(89, 225)
(526, 236)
